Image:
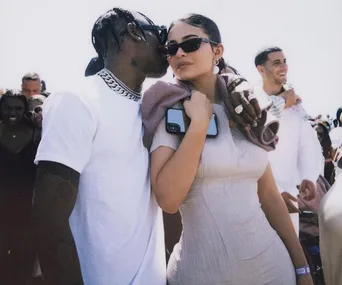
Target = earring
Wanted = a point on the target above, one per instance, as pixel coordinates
(216, 68)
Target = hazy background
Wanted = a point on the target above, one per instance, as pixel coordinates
(52, 37)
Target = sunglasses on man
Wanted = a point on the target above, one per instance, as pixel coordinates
(160, 30)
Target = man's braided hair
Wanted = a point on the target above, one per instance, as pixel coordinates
(113, 22)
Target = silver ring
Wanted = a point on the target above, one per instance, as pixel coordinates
(251, 96)
(238, 110)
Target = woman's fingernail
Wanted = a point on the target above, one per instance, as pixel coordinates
(254, 124)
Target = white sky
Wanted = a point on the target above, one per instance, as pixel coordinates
(52, 37)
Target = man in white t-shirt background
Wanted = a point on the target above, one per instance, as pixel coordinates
(297, 159)
(96, 221)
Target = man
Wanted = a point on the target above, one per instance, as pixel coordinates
(31, 84)
(298, 158)
(96, 221)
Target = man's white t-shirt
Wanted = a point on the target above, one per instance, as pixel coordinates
(298, 154)
(116, 223)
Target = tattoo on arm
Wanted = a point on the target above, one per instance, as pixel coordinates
(55, 196)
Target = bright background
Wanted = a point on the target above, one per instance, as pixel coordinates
(52, 37)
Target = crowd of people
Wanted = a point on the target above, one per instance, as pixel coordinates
(205, 180)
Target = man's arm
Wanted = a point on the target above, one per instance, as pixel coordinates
(55, 196)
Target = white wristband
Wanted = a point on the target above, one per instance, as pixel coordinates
(303, 270)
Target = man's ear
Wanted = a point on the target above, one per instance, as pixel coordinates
(135, 32)
(261, 69)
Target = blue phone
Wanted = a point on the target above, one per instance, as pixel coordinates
(177, 122)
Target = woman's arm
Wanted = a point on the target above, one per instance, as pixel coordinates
(277, 215)
(172, 172)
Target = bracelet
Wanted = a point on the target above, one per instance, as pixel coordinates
(305, 270)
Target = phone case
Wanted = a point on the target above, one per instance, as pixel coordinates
(173, 127)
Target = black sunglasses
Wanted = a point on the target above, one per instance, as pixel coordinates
(187, 46)
(35, 111)
(161, 31)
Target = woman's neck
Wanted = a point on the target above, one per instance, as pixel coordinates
(206, 84)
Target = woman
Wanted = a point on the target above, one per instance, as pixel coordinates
(217, 183)
(34, 114)
(18, 146)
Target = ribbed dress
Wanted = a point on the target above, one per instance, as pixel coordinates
(226, 237)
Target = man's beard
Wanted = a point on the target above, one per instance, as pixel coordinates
(279, 81)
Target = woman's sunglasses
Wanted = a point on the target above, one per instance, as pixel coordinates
(187, 46)
(35, 111)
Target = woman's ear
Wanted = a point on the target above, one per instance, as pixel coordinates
(218, 51)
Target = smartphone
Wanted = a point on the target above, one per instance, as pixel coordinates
(177, 122)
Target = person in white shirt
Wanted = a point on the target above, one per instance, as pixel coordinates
(298, 159)
(96, 221)
(336, 133)
(336, 140)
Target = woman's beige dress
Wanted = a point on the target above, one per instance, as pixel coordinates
(226, 237)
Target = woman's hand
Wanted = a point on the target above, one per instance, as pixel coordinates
(199, 109)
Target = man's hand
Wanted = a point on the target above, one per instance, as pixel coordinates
(288, 198)
(241, 96)
(307, 190)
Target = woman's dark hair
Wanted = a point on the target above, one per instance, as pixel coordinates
(222, 65)
(206, 24)
(338, 115)
(211, 29)
(15, 94)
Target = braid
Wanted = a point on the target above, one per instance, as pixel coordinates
(125, 14)
(108, 23)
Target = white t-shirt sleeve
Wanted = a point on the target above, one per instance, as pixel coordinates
(68, 131)
(163, 138)
(310, 157)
